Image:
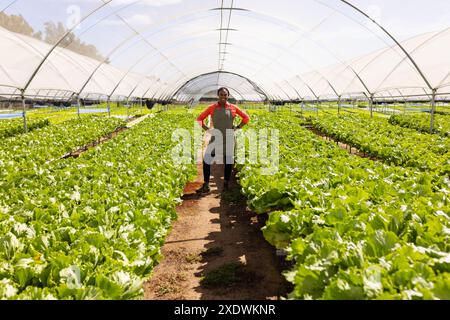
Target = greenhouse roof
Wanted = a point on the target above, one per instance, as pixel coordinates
(182, 49)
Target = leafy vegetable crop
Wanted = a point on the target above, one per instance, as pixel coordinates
(356, 229)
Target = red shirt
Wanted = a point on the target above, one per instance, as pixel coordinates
(234, 110)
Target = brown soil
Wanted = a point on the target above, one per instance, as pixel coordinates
(109, 136)
(132, 121)
(214, 231)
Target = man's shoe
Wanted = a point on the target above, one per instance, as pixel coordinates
(204, 189)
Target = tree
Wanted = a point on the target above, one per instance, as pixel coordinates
(53, 32)
(16, 23)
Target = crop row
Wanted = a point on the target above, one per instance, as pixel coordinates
(393, 144)
(421, 123)
(92, 227)
(27, 152)
(356, 229)
(10, 128)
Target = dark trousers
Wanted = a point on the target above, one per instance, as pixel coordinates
(207, 170)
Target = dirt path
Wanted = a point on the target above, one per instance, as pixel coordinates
(216, 250)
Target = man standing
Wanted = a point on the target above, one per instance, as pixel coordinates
(221, 144)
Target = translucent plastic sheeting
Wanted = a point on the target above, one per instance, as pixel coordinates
(280, 50)
(240, 88)
(10, 116)
(93, 110)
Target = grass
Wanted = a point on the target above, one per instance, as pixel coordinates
(213, 251)
(232, 196)
(225, 275)
(193, 258)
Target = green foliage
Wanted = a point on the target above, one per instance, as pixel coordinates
(421, 123)
(393, 144)
(355, 228)
(91, 227)
(10, 128)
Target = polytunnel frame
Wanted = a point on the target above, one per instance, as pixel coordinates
(137, 33)
(319, 44)
(115, 13)
(126, 40)
(192, 81)
(434, 90)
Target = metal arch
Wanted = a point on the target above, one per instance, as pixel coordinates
(365, 66)
(295, 89)
(135, 33)
(126, 40)
(200, 87)
(129, 70)
(305, 34)
(434, 36)
(265, 93)
(158, 50)
(394, 39)
(196, 49)
(345, 64)
(101, 64)
(59, 41)
(368, 91)
(197, 85)
(228, 82)
(307, 85)
(327, 49)
(23, 43)
(203, 90)
(257, 88)
(361, 80)
(9, 5)
(284, 92)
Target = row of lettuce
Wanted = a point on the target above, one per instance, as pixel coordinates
(421, 123)
(28, 152)
(91, 227)
(10, 128)
(391, 143)
(355, 228)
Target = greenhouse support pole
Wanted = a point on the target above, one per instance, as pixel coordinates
(78, 106)
(433, 110)
(24, 112)
(128, 108)
(371, 105)
(109, 107)
(339, 105)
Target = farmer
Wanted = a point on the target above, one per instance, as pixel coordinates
(221, 145)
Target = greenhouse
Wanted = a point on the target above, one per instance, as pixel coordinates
(338, 187)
